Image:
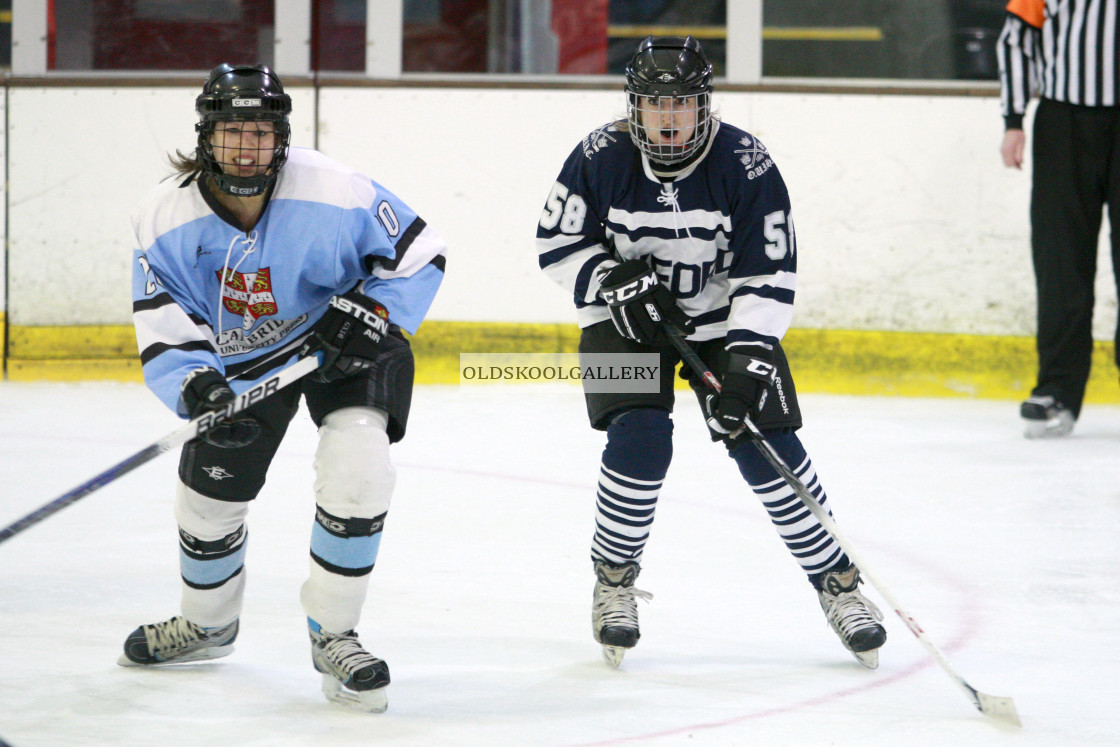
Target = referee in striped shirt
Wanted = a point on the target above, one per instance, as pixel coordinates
(1066, 51)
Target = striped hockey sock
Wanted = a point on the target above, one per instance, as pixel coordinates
(635, 461)
(809, 543)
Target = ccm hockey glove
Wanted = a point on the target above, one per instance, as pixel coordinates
(205, 390)
(350, 335)
(746, 382)
(640, 305)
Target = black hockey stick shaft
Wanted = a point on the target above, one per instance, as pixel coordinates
(999, 708)
(191, 430)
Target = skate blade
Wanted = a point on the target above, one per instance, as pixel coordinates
(214, 652)
(612, 655)
(869, 659)
(1052, 428)
(369, 701)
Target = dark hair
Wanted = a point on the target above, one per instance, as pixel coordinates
(184, 163)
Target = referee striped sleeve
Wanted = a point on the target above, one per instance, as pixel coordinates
(1016, 50)
(1072, 54)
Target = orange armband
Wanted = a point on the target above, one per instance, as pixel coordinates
(1033, 12)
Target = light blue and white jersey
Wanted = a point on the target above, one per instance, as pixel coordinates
(206, 293)
(719, 234)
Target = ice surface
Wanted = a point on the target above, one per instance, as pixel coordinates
(1003, 549)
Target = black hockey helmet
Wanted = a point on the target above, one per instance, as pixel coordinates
(242, 93)
(676, 69)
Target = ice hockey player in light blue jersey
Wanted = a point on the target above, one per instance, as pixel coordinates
(673, 217)
(255, 255)
(323, 229)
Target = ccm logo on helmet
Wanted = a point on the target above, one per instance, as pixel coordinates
(238, 103)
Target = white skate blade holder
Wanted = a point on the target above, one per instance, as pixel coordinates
(612, 655)
(1055, 427)
(214, 652)
(1059, 421)
(869, 659)
(369, 701)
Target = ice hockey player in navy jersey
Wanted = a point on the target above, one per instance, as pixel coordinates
(256, 254)
(674, 217)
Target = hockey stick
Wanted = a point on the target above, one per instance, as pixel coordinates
(999, 708)
(191, 430)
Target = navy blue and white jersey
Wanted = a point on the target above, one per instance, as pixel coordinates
(207, 293)
(719, 235)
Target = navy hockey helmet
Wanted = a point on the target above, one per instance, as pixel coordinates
(249, 93)
(670, 75)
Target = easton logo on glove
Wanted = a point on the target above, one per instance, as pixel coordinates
(350, 336)
(376, 319)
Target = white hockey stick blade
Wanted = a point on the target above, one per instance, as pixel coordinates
(998, 708)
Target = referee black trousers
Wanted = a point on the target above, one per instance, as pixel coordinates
(1076, 154)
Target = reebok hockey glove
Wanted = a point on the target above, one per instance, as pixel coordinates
(350, 335)
(205, 390)
(746, 382)
(640, 305)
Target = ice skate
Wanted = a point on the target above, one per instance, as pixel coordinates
(176, 641)
(852, 615)
(614, 611)
(1046, 417)
(351, 675)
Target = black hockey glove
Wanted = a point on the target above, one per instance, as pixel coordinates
(350, 335)
(746, 382)
(640, 305)
(205, 390)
